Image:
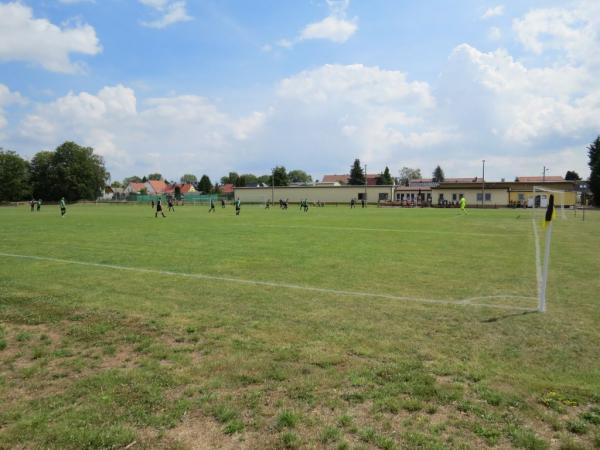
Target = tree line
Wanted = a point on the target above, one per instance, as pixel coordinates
(70, 171)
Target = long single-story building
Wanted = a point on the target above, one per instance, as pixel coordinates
(488, 194)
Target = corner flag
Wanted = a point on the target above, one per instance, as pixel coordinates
(550, 211)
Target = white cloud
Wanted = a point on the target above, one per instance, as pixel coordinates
(332, 28)
(23, 38)
(170, 12)
(575, 31)
(7, 98)
(335, 27)
(185, 130)
(493, 12)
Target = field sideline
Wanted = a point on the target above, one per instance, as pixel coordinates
(336, 328)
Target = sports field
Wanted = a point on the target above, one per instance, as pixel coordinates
(336, 328)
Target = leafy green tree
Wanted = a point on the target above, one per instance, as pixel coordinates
(265, 179)
(385, 178)
(232, 178)
(71, 171)
(357, 176)
(248, 178)
(144, 179)
(572, 176)
(299, 176)
(280, 176)
(116, 184)
(14, 173)
(188, 178)
(155, 176)
(594, 163)
(133, 179)
(438, 175)
(204, 185)
(177, 192)
(407, 174)
(144, 191)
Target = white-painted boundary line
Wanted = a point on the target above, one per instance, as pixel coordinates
(461, 302)
(538, 258)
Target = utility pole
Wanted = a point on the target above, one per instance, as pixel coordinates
(483, 184)
(544, 174)
(366, 203)
(272, 187)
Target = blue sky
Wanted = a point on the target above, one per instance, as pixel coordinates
(210, 86)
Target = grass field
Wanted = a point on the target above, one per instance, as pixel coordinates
(339, 328)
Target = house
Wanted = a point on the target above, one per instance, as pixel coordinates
(156, 187)
(134, 188)
(537, 179)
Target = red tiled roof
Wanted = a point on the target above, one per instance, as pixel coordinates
(159, 186)
(546, 179)
(185, 188)
(137, 187)
(227, 188)
(333, 178)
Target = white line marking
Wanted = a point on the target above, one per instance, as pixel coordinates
(538, 262)
(200, 276)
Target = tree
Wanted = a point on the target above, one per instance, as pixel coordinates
(204, 185)
(232, 178)
(299, 176)
(247, 178)
(71, 171)
(177, 192)
(264, 179)
(407, 174)
(155, 176)
(280, 176)
(594, 163)
(116, 184)
(188, 178)
(385, 178)
(438, 175)
(144, 191)
(357, 176)
(572, 175)
(133, 179)
(14, 173)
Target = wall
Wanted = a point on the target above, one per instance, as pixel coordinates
(498, 196)
(327, 194)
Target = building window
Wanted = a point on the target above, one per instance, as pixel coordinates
(521, 197)
(453, 197)
(398, 197)
(488, 197)
(362, 196)
(461, 195)
(479, 197)
(383, 196)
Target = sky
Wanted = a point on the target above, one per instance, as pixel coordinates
(212, 86)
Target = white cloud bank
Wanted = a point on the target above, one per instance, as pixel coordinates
(496, 11)
(24, 38)
(170, 12)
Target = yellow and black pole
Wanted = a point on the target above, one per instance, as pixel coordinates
(548, 218)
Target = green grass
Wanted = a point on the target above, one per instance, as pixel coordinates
(100, 356)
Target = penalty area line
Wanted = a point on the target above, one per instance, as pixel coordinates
(474, 301)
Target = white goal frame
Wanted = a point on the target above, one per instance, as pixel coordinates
(559, 199)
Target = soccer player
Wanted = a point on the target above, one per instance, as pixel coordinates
(39, 204)
(463, 205)
(238, 207)
(152, 204)
(222, 203)
(268, 204)
(63, 207)
(305, 205)
(212, 206)
(159, 209)
(170, 203)
(31, 203)
(352, 203)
